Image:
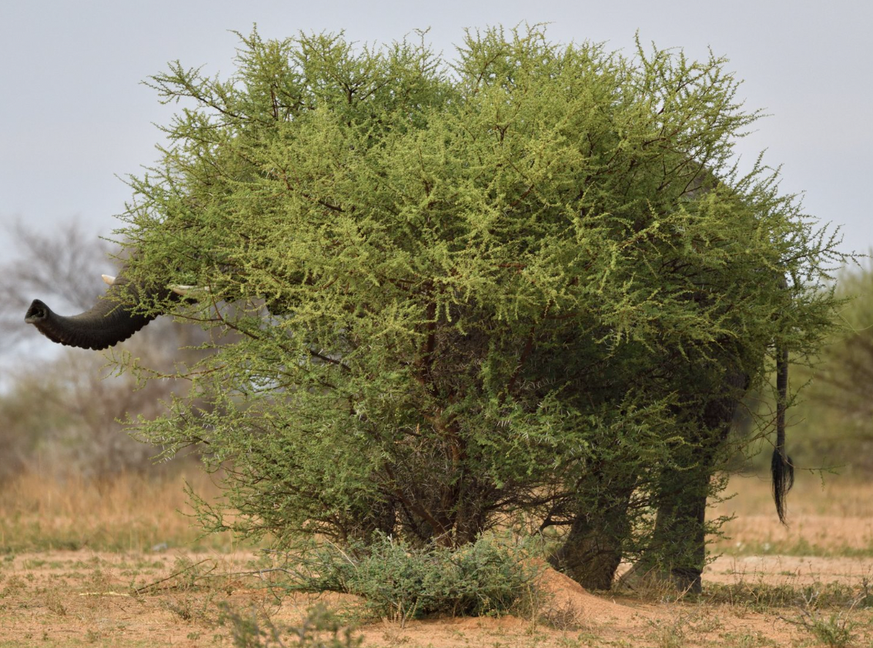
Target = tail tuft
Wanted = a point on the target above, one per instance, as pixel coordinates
(782, 470)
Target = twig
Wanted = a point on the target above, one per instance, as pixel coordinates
(144, 588)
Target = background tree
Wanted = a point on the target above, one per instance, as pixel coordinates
(60, 412)
(471, 289)
(834, 423)
(63, 266)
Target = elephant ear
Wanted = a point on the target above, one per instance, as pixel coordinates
(113, 319)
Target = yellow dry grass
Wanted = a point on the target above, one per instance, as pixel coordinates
(130, 512)
(826, 517)
(134, 512)
(114, 563)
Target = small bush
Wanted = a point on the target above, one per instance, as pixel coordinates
(835, 631)
(320, 629)
(488, 576)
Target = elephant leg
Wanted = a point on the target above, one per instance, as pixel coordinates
(589, 556)
(677, 553)
(678, 550)
(593, 548)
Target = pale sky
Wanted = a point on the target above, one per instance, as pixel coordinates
(74, 117)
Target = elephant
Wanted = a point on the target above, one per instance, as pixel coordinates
(680, 519)
(589, 548)
(592, 549)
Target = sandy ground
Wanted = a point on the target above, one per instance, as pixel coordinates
(137, 598)
(111, 599)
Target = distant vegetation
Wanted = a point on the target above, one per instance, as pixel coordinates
(832, 423)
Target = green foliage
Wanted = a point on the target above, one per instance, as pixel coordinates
(759, 596)
(320, 629)
(509, 282)
(400, 582)
(836, 630)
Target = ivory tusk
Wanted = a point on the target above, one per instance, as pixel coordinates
(109, 279)
(180, 289)
(188, 291)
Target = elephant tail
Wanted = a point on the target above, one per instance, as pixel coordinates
(781, 465)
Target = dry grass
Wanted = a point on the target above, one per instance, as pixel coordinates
(805, 585)
(833, 517)
(131, 512)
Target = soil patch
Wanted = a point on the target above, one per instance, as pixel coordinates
(89, 598)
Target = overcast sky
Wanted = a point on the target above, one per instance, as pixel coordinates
(75, 118)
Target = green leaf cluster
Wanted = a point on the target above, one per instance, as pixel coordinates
(487, 576)
(448, 291)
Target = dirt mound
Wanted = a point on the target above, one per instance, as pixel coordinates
(568, 596)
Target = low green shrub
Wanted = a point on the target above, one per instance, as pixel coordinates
(489, 576)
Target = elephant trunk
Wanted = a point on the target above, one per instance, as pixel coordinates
(111, 320)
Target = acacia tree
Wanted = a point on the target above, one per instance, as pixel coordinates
(526, 280)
